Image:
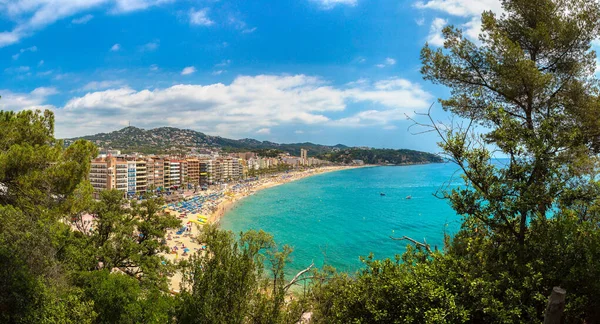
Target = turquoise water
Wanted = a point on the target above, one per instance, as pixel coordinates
(336, 217)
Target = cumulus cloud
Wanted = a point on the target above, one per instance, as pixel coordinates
(20, 101)
(101, 85)
(44, 92)
(115, 48)
(188, 70)
(244, 107)
(82, 20)
(435, 36)
(466, 12)
(330, 4)
(30, 16)
(461, 8)
(264, 131)
(200, 17)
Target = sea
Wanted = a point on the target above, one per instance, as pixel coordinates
(335, 218)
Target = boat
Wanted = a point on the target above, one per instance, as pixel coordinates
(408, 197)
(381, 194)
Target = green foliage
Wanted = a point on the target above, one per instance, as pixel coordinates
(39, 185)
(270, 170)
(529, 225)
(170, 140)
(271, 153)
(411, 289)
(227, 284)
(381, 156)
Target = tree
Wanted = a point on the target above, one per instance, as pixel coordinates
(530, 224)
(227, 284)
(39, 185)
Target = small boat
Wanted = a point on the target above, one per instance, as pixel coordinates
(408, 197)
(381, 194)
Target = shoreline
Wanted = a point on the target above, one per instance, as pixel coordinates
(228, 203)
(182, 244)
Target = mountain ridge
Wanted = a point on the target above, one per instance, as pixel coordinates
(165, 139)
(171, 140)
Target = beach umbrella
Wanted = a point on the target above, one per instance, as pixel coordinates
(186, 250)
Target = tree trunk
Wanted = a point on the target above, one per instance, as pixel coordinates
(556, 305)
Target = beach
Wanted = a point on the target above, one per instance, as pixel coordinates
(208, 207)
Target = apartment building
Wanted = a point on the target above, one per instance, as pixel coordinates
(193, 171)
(155, 173)
(131, 177)
(141, 175)
(100, 176)
(206, 172)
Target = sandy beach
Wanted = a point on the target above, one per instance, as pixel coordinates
(214, 204)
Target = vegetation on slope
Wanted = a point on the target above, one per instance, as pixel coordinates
(170, 139)
(381, 156)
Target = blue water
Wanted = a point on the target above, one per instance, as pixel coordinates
(336, 217)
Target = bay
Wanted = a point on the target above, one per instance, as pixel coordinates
(334, 218)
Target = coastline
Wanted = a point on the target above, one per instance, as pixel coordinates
(182, 245)
(226, 204)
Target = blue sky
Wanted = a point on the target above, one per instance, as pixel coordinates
(325, 71)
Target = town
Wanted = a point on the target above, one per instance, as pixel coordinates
(136, 173)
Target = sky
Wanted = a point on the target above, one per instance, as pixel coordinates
(324, 71)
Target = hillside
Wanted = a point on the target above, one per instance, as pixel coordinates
(174, 140)
(381, 156)
(170, 139)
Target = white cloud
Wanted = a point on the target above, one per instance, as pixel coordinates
(239, 109)
(299, 132)
(200, 17)
(153, 67)
(30, 16)
(101, 85)
(150, 47)
(17, 69)
(115, 48)
(248, 104)
(240, 25)
(41, 62)
(435, 36)
(123, 6)
(387, 62)
(20, 101)
(420, 21)
(223, 63)
(330, 4)
(466, 12)
(218, 72)
(44, 92)
(461, 8)
(23, 50)
(188, 70)
(82, 20)
(264, 131)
